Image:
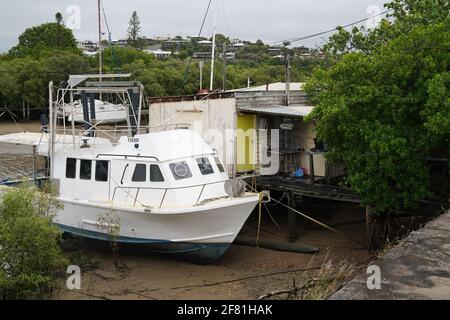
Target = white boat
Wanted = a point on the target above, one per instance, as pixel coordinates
(165, 190)
(105, 112)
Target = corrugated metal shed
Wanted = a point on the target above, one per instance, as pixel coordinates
(288, 111)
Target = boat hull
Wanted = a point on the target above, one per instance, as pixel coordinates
(201, 236)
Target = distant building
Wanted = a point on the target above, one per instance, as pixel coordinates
(205, 43)
(161, 38)
(235, 44)
(176, 41)
(120, 43)
(159, 54)
(275, 50)
(230, 56)
(195, 38)
(88, 46)
(201, 55)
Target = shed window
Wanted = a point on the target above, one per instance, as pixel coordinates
(219, 164)
(205, 166)
(101, 170)
(140, 173)
(155, 173)
(71, 165)
(180, 170)
(85, 169)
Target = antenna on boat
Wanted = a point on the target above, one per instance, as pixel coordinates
(51, 133)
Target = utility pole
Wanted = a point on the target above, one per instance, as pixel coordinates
(200, 66)
(224, 86)
(99, 43)
(288, 77)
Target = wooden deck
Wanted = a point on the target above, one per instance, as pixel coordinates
(304, 187)
(296, 189)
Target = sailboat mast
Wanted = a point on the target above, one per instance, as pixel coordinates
(100, 40)
(213, 51)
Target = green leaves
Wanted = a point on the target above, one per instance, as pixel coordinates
(29, 250)
(45, 37)
(383, 112)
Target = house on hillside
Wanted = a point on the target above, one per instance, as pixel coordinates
(255, 130)
(159, 54)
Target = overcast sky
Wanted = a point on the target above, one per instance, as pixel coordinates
(246, 19)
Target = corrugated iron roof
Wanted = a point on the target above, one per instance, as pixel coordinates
(275, 86)
(289, 111)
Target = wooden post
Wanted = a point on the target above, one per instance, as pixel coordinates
(311, 167)
(34, 164)
(369, 221)
(287, 78)
(292, 219)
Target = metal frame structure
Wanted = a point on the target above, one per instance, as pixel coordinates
(63, 96)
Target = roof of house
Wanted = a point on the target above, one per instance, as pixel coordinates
(288, 111)
(276, 86)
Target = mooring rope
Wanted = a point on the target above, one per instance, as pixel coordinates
(299, 213)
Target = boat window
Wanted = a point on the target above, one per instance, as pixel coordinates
(71, 164)
(140, 172)
(180, 170)
(205, 166)
(219, 164)
(85, 169)
(155, 173)
(101, 170)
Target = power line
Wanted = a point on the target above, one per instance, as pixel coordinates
(195, 46)
(330, 30)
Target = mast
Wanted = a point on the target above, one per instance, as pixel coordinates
(213, 53)
(200, 66)
(51, 133)
(99, 40)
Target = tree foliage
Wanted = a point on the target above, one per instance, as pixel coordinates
(48, 53)
(134, 30)
(403, 16)
(384, 109)
(39, 40)
(30, 254)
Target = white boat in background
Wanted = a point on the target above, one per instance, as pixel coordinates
(106, 112)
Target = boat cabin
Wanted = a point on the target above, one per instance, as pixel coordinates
(143, 171)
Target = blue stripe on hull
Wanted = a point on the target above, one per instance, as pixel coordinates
(202, 253)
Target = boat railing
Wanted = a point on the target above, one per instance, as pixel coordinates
(166, 190)
(115, 133)
(164, 127)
